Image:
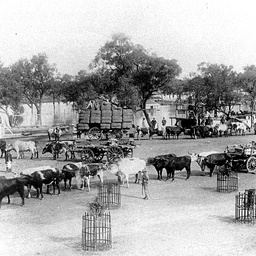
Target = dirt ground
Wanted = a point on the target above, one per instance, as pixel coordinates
(181, 218)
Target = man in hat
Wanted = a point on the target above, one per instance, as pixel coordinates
(145, 179)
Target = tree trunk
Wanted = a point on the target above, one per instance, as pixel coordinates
(38, 114)
(143, 107)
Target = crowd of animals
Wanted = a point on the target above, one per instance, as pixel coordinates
(11, 181)
(198, 131)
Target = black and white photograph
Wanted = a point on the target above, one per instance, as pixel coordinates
(127, 128)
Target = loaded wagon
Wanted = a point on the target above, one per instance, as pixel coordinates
(243, 156)
(103, 118)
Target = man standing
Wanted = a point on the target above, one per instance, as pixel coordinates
(154, 123)
(164, 127)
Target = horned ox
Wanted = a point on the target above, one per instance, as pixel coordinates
(59, 147)
(92, 170)
(201, 157)
(22, 146)
(216, 159)
(50, 176)
(179, 163)
(159, 163)
(70, 171)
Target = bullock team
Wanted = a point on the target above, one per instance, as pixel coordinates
(83, 172)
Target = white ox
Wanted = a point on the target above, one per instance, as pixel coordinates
(126, 167)
(20, 147)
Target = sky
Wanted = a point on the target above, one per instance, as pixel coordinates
(71, 32)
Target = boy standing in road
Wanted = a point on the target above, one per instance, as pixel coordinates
(144, 183)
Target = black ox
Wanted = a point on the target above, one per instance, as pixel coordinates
(178, 163)
(48, 177)
(173, 131)
(159, 162)
(10, 186)
(216, 159)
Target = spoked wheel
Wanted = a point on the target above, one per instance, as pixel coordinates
(128, 152)
(87, 155)
(251, 164)
(94, 133)
(98, 155)
(114, 154)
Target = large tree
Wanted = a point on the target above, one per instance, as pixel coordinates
(133, 74)
(248, 83)
(222, 87)
(10, 96)
(35, 77)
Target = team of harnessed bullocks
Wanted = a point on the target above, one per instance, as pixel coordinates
(83, 172)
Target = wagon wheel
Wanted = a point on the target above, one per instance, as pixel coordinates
(128, 152)
(98, 154)
(251, 164)
(114, 154)
(87, 155)
(94, 133)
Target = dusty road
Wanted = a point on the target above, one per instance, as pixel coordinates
(181, 218)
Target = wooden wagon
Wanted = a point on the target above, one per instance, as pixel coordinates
(244, 156)
(96, 152)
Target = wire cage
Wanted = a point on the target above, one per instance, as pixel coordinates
(245, 209)
(96, 232)
(227, 182)
(109, 195)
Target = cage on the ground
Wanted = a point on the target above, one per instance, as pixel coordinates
(245, 210)
(227, 182)
(109, 195)
(96, 232)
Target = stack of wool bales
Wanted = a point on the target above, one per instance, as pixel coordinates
(127, 118)
(117, 117)
(106, 115)
(84, 119)
(95, 116)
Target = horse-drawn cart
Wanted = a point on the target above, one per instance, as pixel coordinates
(96, 152)
(244, 156)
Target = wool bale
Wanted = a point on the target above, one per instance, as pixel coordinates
(81, 126)
(105, 125)
(116, 125)
(126, 125)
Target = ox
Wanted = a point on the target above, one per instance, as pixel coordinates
(38, 178)
(10, 186)
(201, 157)
(92, 170)
(216, 159)
(179, 163)
(126, 167)
(174, 131)
(70, 171)
(3, 147)
(22, 146)
(57, 148)
(58, 131)
(159, 163)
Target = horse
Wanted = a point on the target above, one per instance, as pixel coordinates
(58, 131)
